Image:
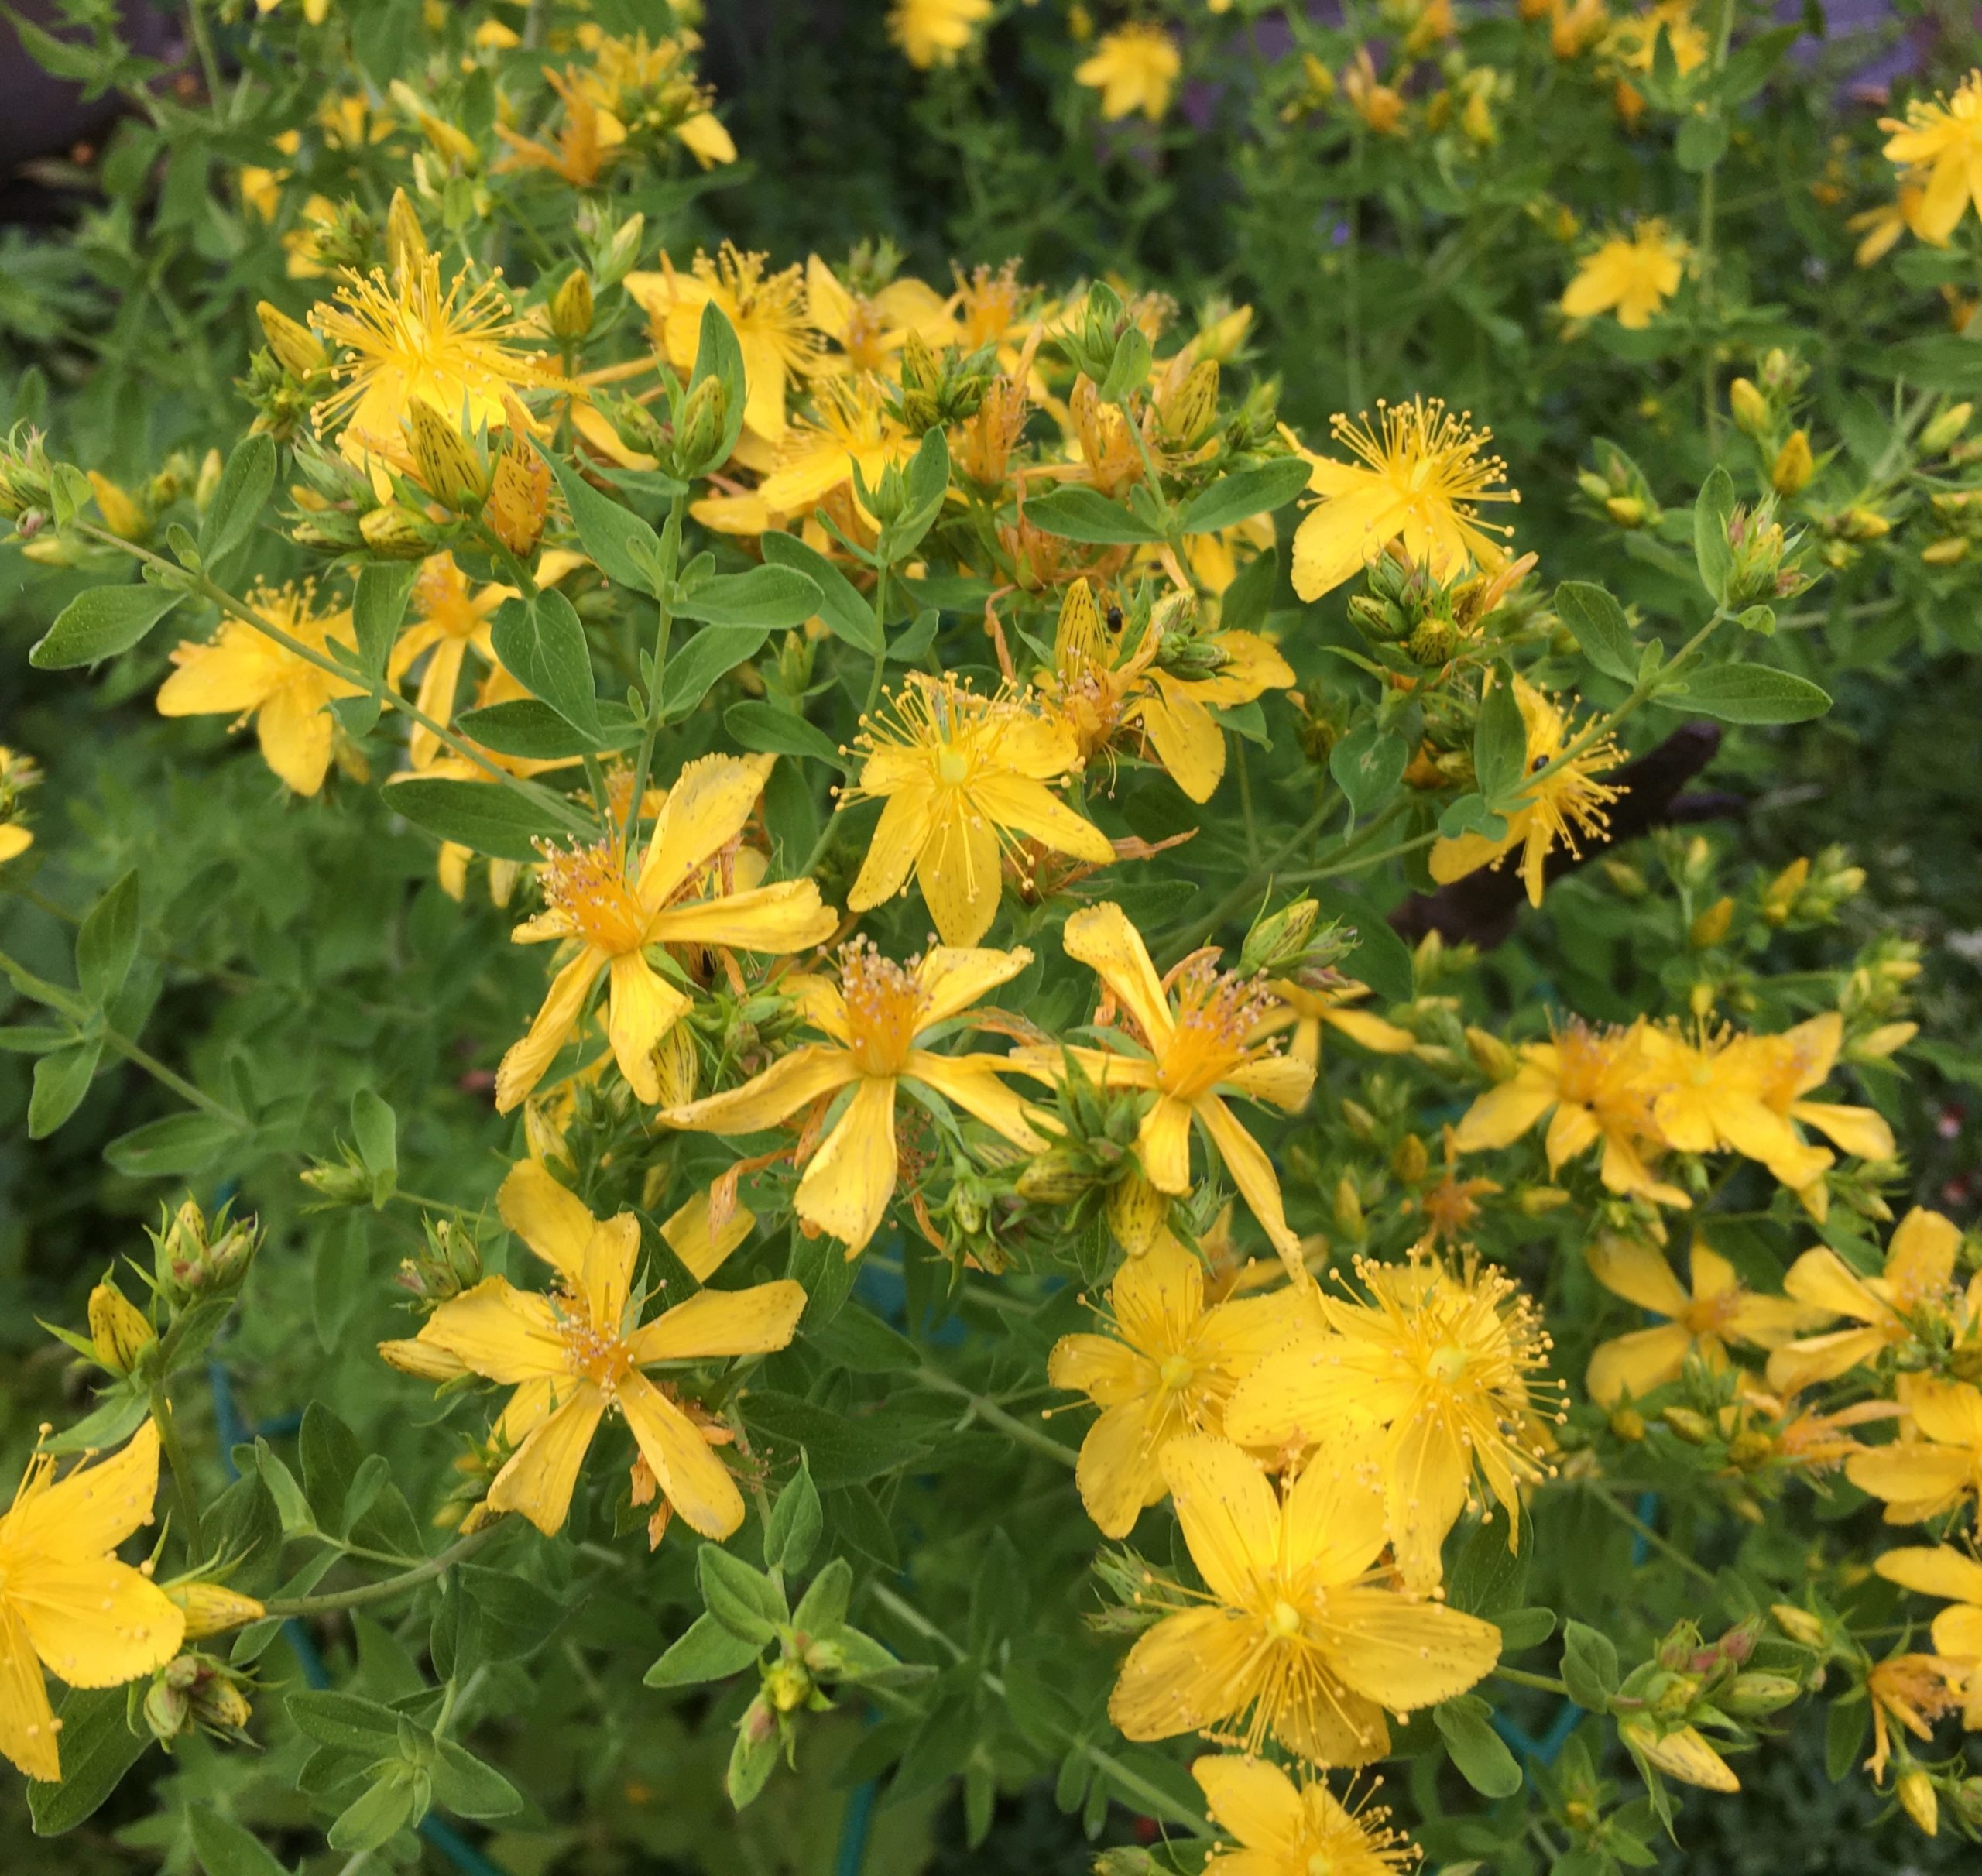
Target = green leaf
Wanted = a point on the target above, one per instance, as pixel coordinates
(1589, 1667)
(753, 1755)
(1523, 1629)
(293, 1507)
(97, 1749)
(1087, 515)
(758, 725)
(1844, 1737)
(842, 606)
(482, 816)
(464, 1785)
(744, 1600)
(237, 502)
(60, 1081)
(1484, 1760)
(1486, 1576)
(1383, 961)
(224, 1848)
(1367, 765)
(1259, 490)
(822, 1608)
(693, 672)
(330, 1457)
(926, 483)
(842, 1449)
(177, 1144)
(1943, 362)
(378, 1813)
(769, 596)
(1499, 742)
(517, 1617)
(796, 1524)
(1597, 623)
(1711, 554)
(59, 56)
(709, 1650)
(1702, 141)
(719, 355)
(375, 1127)
(543, 644)
(535, 732)
(859, 1340)
(107, 941)
(346, 1721)
(99, 624)
(377, 608)
(623, 546)
(1749, 694)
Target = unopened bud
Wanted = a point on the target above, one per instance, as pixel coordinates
(168, 1709)
(1536, 1201)
(1628, 1425)
(1359, 1120)
(1750, 407)
(1492, 1056)
(698, 433)
(1950, 550)
(1136, 1212)
(211, 1609)
(1945, 428)
(1754, 1696)
(1278, 938)
(624, 248)
(1918, 1799)
(392, 534)
(571, 306)
(1593, 485)
(218, 1702)
(297, 349)
(1800, 1625)
(405, 243)
(444, 460)
(787, 1686)
(1626, 510)
(1793, 465)
(1779, 901)
(1409, 1160)
(118, 1329)
(1188, 411)
(1967, 1797)
(423, 1360)
(519, 497)
(121, 515)
(1057, 1176)
(1711, 925)
(1695, 1429)
(206, 485)
(1348, 1207)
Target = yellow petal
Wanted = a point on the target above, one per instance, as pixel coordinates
(523, 1065)
(1921, 1258)
(1335, 1523)
(295, 735)
(787, 916)
(1102, 937)
(706, 809)
(1822, 1279)
(1189, 1672)
(93, 1510)
(504, 1334)
(1255, 1800)
(642, 1007)
(790, 1083)
(1451, 860)
(719, 1323)
(1406, 1654)
(1186, 738)
(94, 1621)
(1637, 1363)
(971, 1082)
(1501, 1115)
(607, 1275)
(690, 1475)
(1108, 1372)
(541, 1475)
(1938, 1570)
(959, 871)
(1284, 1080)
(1371, 1031)
(687, 1235)
(1229, 1518)
(851, 1178)
(1339, 539)
(1638, 1272)
(1249, 1169)
(1158, 1298)
(1163, 1143)
(27, 1732)
(952, 979)
(1118, 1473)
(550, 1218)
(897, 843)
(1856, 1130)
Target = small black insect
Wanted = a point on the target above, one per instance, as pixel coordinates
(1114, 622)
(1537, 765)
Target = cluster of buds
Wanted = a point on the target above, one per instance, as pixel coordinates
(1108, 344)
(194, 1256)
(1183, 648)
(1875, 997)
(1764, 407)
(1842, 533)
(1766, 560)
(198, 1693)
(1688, 1685)
(26, 481)
(936, 391)
(1957, 514)
(1809, 892)
(1093, 1159)
(288, 377)
(17, 774)
(1618, 490)
(1409, 615)
(1292, 939)
(449, 1262)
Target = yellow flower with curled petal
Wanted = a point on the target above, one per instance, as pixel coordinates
(1288, 1829)
(1943, 139)
(1911, 1691)
(613, 915)
(243, 672)
(1936, 1473)
(1944, 1571)
(582, 1352)
(932, 33)
(874, 1028)
(1208, 1043)
(963, 777)
(1134, 68)
(1298, 1637)
(1632, 277)
(1418, 478)
(1442, 1359)
(1718, 1309)
(1165, 1372)
(66, 1604)
(1559, 799)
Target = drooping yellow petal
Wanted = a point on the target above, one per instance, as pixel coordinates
(959, 870)
(971, 1082)
(849, 1180)
(642, 1007)
(1186, 737)
(1102, 937)
(523, 1065)
(792, 1082)
(704, 1252)
(541, 1475)
(690, 1475)
(550, 1218)
(27, 1731)
(1249, 1169)
(716, 1322)
(706, 809)
(1226, 1509)
(296, 735)
(1163, 1143)
(1117, 1473)
(786, 916)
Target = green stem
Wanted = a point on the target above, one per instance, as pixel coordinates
(1542, 1683)
(992, 1415)
(1154, 1800)
(1362, 862)
(1644, 692)
(288, 1608)
(1636, 1525)
(182, 1471)
(874, 682)
(1710, 178)
(203, 43)
(178, 1083)
(670, 556)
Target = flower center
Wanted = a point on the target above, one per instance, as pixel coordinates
(588, 886)
(1216, 1014)
(883, 1008)
(1285, 1620)
(1446, 1363)
(1177, 1373)
(597, 1354)
(952, 765)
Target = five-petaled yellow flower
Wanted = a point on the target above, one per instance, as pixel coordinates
(963, 775)
(1944, 140)
(241, 671)
(1288, 1829)
(1134, 68)
(583, 1351)
(1558, 799)
(1166, 1372)
(674, 898)
(1632, 277)
(875, 1026)
(1301, 1638)
(1418, 478)
(1210, 1042)
(66, 1604)
(934, 32)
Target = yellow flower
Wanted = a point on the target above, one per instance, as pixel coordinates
(768, 313)
(66, 1604)
(1299, 1639)
(1633, 278)
(1916, 1287)
(1442, 1359)
(1885, 225)
(614, 918)
(1101, 687)
(1380, 106)
(1909, 1690)
(1922, 1478)
(582, 1351)
(1720, 1309)
(404, 340)
(1944, 1571)
(1559, 799)
(870, 328)
(875, 1027)
(17, 773)
(1634, 42)
(582, 151)
(1134, 68)
(1591, 1080)
(1419, 479)
(1166, 1372)
(934, 32)
(241, 671)
(963, 777)
(1210, 1042)
(1289, 1829)
(315, 12)
(1308, 1008)
(1945, 139)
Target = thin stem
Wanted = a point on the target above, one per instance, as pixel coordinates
(1709, 401)
(1665, 1548)
(1362, 860)
(874, 682)
(1542, 1683)
(992, 1415)
(671, 555)
(182, 1471)
(203, 43)
(288, 1608)
(177, 1082)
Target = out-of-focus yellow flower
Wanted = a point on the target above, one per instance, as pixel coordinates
(1883, 225)
(1943, 138)
(1915, 1287)
(1134, 68)
(1575, 25)
(17, 774)
(1633, 277)
(316, 12)
(1380, 106)
(1288, 1829)
(932, 33)
(1633, 42)
(1924, 1477)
